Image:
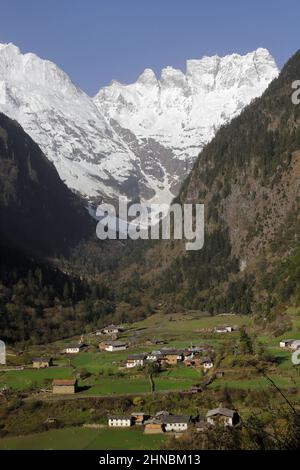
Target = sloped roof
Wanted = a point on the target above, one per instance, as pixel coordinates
(116, 343)
(152, 421)
(112, 327)
(41, 359)
(137, 356)
(176, 419)
(206, 359)
(64, 382)
(119, 417)
(221, 411)
(171, 352)
(162, 413)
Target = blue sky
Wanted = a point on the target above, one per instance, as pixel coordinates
(96, 41)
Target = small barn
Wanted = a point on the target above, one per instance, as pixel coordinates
(64, 386)
(153, 426)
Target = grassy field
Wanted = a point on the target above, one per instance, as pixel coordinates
(25, 379)
(102, 373)
(84, 439)
(253, 384)
(177, 330)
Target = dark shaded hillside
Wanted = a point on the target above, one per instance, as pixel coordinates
(39, 303)
(40, 218)
(37, 211)
(248, 177)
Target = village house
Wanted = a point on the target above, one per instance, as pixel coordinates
(223, 416)
(112, 329)
(207, 363)
(223, 329)
(153, 426)
(286, 343)
(41, 362)
(175, 423)
(154, 356)
(295, 344)
(119, 421)
(138, 418)
(74, 348)
(188, 355)
(171, 356)
(136, 360)
(64, 386)
(113, 346)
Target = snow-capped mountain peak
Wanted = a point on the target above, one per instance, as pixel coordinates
(140, 139)
(147, 78)
(170, 119)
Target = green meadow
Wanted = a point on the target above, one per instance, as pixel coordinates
(76, 438)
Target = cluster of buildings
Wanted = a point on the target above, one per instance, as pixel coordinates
(164, 421)
(292, 344)
(170, 357)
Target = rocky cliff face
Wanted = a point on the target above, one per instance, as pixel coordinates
(248, 178)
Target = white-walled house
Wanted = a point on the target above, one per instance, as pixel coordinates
(119, 421)
(173, 423)
(135, 360)
(222, 415)
(113, 346)
(112, 329)
(73, 348)
(224, 329)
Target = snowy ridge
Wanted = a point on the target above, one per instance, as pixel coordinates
(138, 140)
